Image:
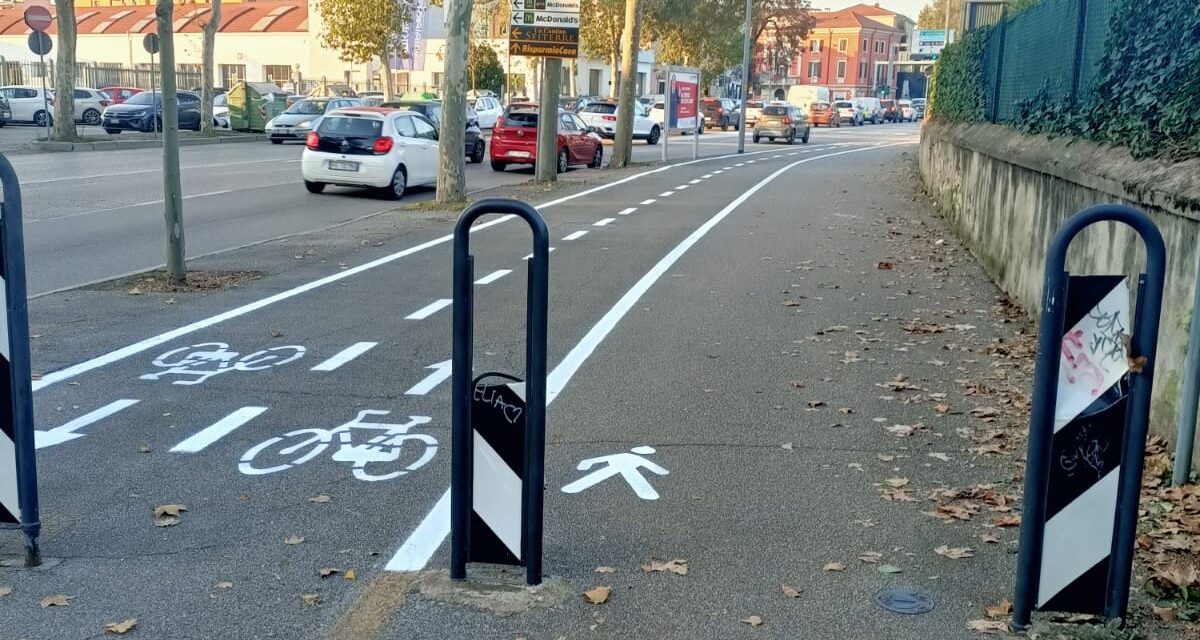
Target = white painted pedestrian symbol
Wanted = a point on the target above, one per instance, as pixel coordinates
(199, 362)
(300, 446)
(627, 465)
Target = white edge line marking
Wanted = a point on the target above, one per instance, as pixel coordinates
(116, 355)
(493, 276)
(345, 355)
(429, 309)
(625, 212)
(577, 235)
(429, 535)
(219, 429)
(649, 201)
(604, 222)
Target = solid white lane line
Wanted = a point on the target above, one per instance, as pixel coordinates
(167, 336)
(625, 212)
(493, 276)
(530, 256)
(429, 309)
(666, 194)
(604, 222)
(66, 432)
(697, 180)
(649, 201)
(577, 235)
(345, 355)
(420, 546)
(217, 430)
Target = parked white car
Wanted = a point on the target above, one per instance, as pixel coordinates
(488, 110)
(657, 115)
(27, 104)
(221, 112)
(371, 147)
(601, 118)
(89, 104)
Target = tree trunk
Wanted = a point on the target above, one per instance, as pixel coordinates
(385, 68)
(452, 177)
(614, 61)
(630, 38)
(208, 59)
(64, 76)
(172, 196)
(546, 169)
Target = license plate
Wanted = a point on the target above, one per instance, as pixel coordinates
(343, 165)
(518, 154)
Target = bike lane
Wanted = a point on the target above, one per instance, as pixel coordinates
(157, 441)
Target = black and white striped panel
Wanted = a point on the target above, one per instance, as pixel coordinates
(1089, 425)
(9, 510)
(498, 423)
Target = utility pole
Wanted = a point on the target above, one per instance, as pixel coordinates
(745, 78)
(547, 131)
(172, 197)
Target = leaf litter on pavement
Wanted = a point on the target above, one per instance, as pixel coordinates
(120, 628)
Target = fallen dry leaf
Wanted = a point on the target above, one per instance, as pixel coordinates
(889, 568)
(143, 448)
(834, 566)
(136, 291)
(321, 499)
(1179, 573)
(884, 264)
(327, 571)
(224, 584)
(753, 621)
(5, 590)
(790, 592)
(788, 446)
(598, 595)
(871, 557)
(989, 538)
(1137, 364)
(59, 600)
(987, 626)
(1007, 521)
(940, 456)
(120, 628)
(167, 515)
(955, 553)
(293, 540)
(885, 457)
(896, 482)
(941, 407)
(678, 566)
(998, 610)
(1166, 614)
(311, 599)
(350, 575)
(605, 570)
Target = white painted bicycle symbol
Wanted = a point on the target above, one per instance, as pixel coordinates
(199, 362)
(387, 448)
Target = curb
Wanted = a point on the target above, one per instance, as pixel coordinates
(117, 145)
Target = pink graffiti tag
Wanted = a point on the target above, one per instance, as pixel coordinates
(1078, 362)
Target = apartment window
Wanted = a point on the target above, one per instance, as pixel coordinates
(641, 82)
(277, 73)
(594, 82)
(842, 45)
(841, 71)
(814, 69)
(232, 74)
(814, 46)
(864, 44)
(862, 71)
(437, 80)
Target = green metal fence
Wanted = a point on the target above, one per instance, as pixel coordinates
(1052, 47)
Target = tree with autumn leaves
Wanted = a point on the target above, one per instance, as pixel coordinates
(363, 30)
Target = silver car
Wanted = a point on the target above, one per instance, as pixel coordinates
(303, 117)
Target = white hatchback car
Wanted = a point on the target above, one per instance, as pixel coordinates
(28, 104)
(374, 147)
(602, 118)
(487, 110)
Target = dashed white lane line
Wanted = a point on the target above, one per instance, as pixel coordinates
(718, 171)
(682, 187)
(530, 256)
(726, 168)
(493, 276)
(577, 235)
(219, 429)
(751, 161)
(793, 153)
(706, 176)
(740, 164)
(428, 310)
(604, 222)
(666, 194)
(625, 212)
(697, 180)
(649, 201)
(345, 355)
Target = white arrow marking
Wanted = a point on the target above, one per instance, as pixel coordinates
(441, 371)
(66, 432)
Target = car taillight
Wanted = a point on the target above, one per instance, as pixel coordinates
(105, 103)
(609, 118)
(720, 110)
(382, 145)
(499, 122)
(313, 140)
(787, 119)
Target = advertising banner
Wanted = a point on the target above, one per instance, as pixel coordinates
(684, 87)
(413, 40)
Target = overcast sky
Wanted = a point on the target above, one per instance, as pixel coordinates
(909, 8)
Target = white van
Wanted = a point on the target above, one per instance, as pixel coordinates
(871, 108)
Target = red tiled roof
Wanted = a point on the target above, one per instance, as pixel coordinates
(848, 19)
(264, 16)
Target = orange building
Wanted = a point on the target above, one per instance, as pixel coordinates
(853, 51)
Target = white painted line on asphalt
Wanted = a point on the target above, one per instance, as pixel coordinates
(666, 194)
(740, 164)
(706, 176)
(150, 203)
(493, 276)
(625, 212)
(420, 546)
(441, 371)
(66, 432)
(603, 222)
(345, 355)
(649, 201)
(751, 161)
(725, 169)
(429, 309)
(718, 172)
(117, 355)
(217, 430)
(217, 165)
(577, 235)
(698, 180)
(682, 187)
(792, 153)
(530, 256)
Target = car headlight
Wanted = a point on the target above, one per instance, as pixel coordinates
(304, 125)
(271, 123)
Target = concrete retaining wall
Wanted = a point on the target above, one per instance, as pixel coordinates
(1005, 193)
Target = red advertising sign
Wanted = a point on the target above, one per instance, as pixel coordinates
(685, 99)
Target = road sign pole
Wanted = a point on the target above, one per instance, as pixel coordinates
(666, 137)
(745, 78)
(155, 106)
(45, 95)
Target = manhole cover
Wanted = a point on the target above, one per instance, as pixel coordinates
(906, 600)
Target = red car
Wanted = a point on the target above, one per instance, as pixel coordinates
(514, 139)
(121, 94)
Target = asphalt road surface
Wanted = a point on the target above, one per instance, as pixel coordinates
(683, 305)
